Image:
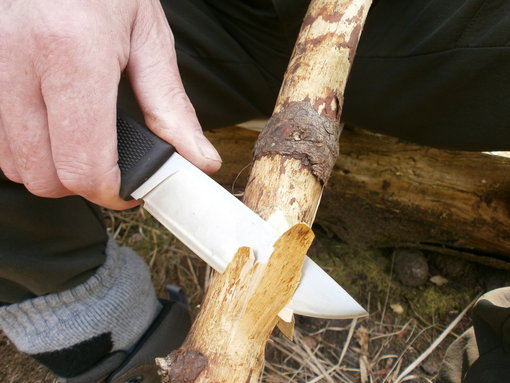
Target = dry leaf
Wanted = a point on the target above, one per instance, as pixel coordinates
(310, 341)
(438, 280)
(397, 308)
(136, 237)
(362, 337)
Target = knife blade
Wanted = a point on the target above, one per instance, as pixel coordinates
(210, 221)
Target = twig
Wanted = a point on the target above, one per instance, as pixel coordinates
(348, 340)
(237, 177)
(399, 360)
(434, 344)
(391, 334)
(388, 291)
(313, 357)
(325, 329)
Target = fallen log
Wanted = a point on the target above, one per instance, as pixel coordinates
(293, 160)
(385, 192)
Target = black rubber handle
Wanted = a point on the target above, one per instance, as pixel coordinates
(141, 153)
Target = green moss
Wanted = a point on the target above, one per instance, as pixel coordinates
(367, 275)
(433, 300)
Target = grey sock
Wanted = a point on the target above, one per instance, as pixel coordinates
(109, 312)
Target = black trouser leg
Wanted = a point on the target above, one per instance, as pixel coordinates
(434, 72)
(47, 245)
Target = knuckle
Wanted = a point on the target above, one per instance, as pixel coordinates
(65, 33)
(178, 96)
(150, 28)
(39, 177)
(83, 178)
(177, 101)
(74, 175)
(57, 40)
(12, 175)
(44, 187)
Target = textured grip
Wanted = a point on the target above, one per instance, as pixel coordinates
(141, 153)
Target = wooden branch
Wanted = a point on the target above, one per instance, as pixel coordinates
(229, 335)
(294, 157)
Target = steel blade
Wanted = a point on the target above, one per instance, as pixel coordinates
(214, 224)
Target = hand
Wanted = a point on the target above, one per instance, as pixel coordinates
(60, 65)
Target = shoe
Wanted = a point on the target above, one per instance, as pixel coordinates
(166, 333)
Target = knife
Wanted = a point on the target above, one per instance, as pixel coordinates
(209, 220)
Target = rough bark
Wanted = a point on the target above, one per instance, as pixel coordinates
(384, 192)
(294, 157)
(399, 194)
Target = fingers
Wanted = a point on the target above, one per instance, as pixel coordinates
(80, 92)
(154, 75)
(25, 151)
(6, 161)
(25, 133)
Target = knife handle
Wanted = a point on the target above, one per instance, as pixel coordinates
(141, 153)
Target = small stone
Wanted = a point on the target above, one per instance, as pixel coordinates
(411, 267)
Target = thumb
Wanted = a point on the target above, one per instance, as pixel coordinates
(154, 76)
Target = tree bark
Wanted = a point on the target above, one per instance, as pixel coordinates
(293, 159)
(385, 192)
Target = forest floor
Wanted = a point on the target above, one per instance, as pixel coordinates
(404, 320)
